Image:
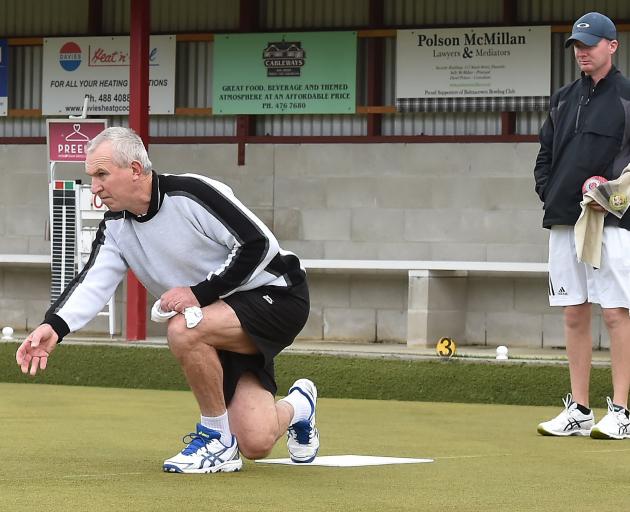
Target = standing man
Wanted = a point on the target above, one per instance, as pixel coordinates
(587, 133)
(194, 245)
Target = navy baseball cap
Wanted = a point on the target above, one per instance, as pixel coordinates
(591, 28)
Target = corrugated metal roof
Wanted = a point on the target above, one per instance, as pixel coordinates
(194, 59)
(302, 14)
(544, 11)
(172, 17)
(447, 123)
(307, 125)
(21, 18)
(529, 123)
(22, 127)
(194, 16)
(198, 126)
(25, 77)
(193, 74)
(442, 12)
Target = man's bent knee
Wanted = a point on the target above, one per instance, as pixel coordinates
(180, 338)
(256, 446)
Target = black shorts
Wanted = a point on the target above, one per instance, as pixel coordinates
(272, 317)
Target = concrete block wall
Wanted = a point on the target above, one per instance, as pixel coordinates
(24, 296)
(515, 312)
(253, 183)
(24, 293)
(357, 308)
(500, 316)
(348, 201)
(23, 200)
(437, 306)
(409, 201)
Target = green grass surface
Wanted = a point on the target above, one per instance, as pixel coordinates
(69, 448)
(453, 380)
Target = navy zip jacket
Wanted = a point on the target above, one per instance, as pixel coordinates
(587, 133)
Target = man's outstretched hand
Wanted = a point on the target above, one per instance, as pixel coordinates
(36, 348)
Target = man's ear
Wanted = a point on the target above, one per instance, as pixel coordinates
(136, 169)
(612, 46)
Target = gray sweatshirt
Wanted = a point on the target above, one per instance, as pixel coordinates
(196, 233)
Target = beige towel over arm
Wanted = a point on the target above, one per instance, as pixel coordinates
(589, 229)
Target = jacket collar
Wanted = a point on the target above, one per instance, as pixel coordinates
(154, 204)
(587, 78)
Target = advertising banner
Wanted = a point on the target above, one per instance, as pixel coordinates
(473, 62)
(4, 77)
(98, 67)
(67, 137)
(290, 73)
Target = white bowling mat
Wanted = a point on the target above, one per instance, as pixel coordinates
(348, 461)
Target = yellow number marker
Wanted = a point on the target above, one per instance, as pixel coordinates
(445, 347)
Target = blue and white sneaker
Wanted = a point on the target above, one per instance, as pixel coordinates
(302, 436)
(205, 453)
(570, 422)
(615, 425)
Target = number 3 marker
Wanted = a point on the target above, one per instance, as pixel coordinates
(445, 347)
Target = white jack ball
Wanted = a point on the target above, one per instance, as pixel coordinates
(7, 333)
(502, 352)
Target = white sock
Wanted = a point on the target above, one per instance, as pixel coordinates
(301, 406)
(220, 424)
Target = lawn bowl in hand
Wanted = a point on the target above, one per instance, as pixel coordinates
(592, 182)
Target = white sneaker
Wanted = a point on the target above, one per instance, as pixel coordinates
(615, 425)
(570, 422)
(302, 436)
(205, 453)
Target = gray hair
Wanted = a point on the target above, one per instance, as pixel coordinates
(127, 146)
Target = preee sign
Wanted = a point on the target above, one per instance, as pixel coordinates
(98, 67)
(67, 138)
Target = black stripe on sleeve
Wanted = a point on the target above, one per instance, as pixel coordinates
(254, 244)
(51, 317)
(287, 266)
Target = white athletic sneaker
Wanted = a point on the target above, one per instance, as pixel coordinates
(570, 422)
(205, 453)
(302, 436)
(615, 425)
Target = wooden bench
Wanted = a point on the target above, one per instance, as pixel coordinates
(31, 261)
(437, 290)
(497, 268)
(25, 260)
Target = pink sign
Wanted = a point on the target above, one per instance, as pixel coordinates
(67, 138)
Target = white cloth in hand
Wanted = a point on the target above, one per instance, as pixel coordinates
(193, 314)
(157, 315)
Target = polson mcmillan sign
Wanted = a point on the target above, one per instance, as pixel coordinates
(473, 62)
(472, 39)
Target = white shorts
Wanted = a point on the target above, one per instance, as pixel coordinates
(572, 283)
